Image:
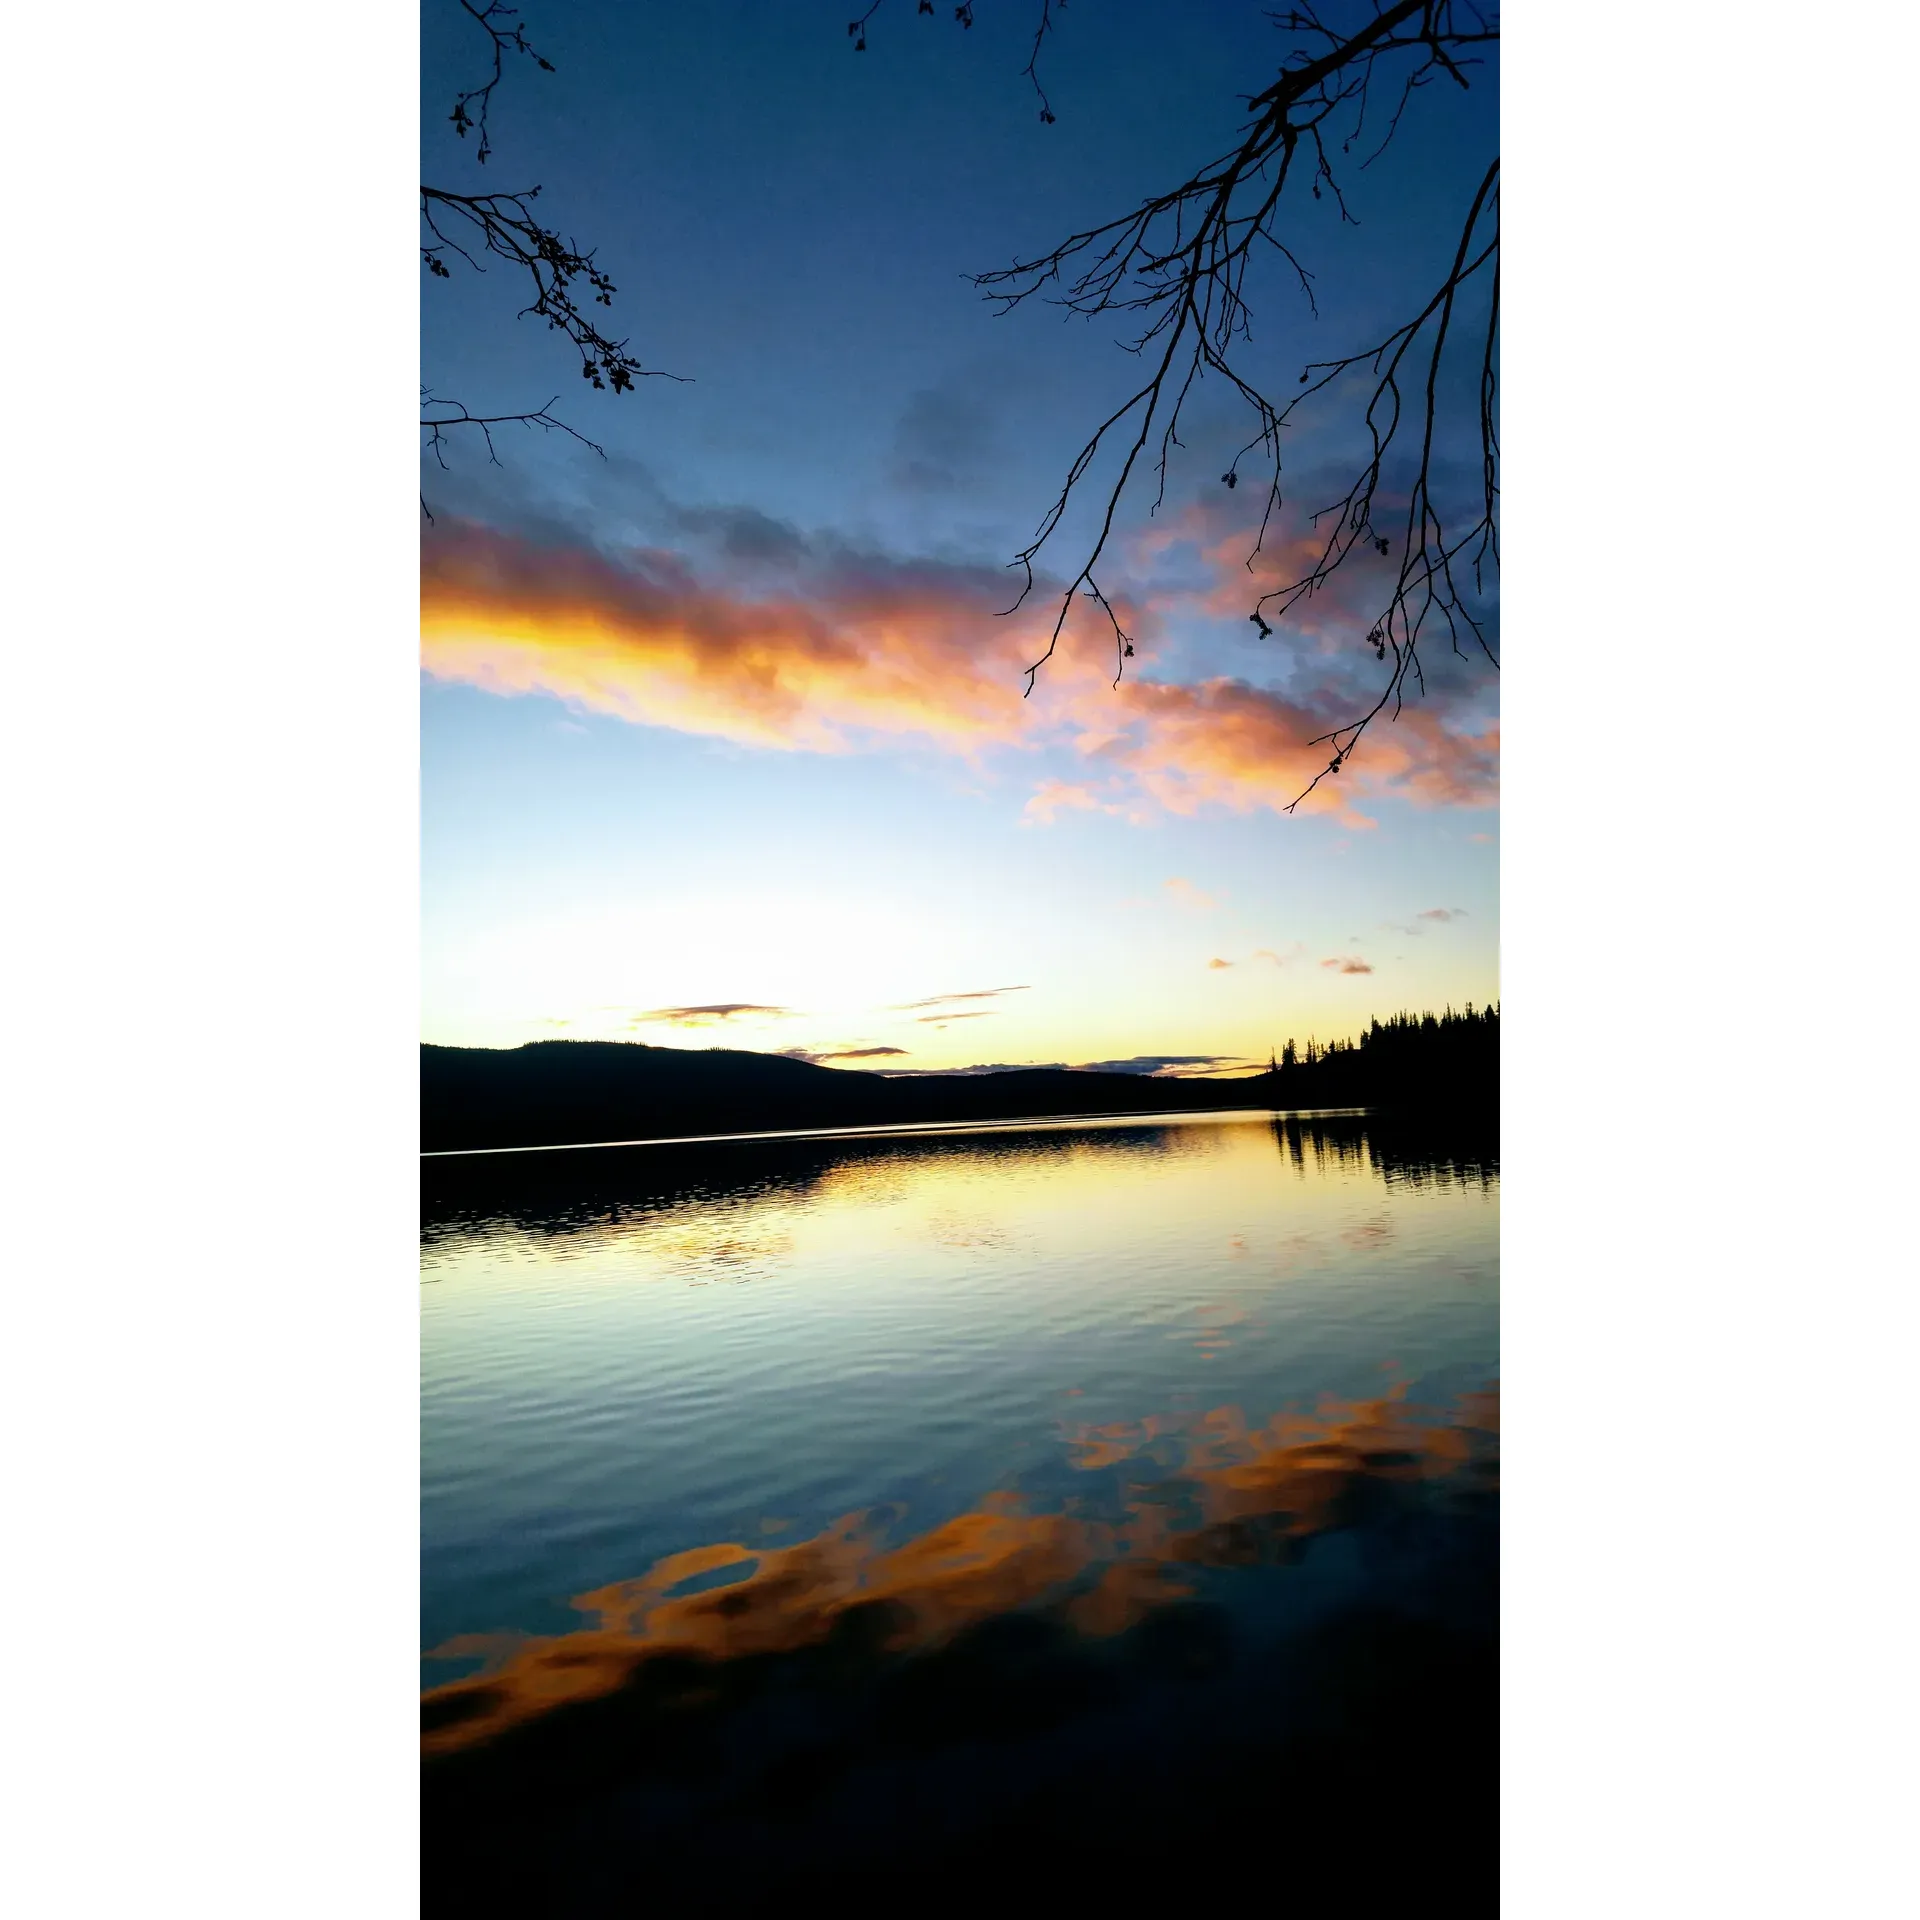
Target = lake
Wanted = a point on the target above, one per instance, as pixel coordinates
(1101, 1508)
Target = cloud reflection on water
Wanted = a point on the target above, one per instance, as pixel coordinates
(1240, 1495)
(1162, 1645)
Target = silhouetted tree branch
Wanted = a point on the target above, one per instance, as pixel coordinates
(440, 417)
(963, 13)
(505, 35)
(562, 278)
(502, 225)
(1177, 264)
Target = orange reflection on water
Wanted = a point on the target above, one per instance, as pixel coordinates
(1252, 1490)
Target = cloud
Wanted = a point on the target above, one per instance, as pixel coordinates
(715, 1015)
(1225, 743)
(1287, 958)
(841, 1053)
(942, 999)
(818, 647)
(1168, 1066)
(1202, 559)
(1189, 895)
(962, 1073)
(1214, 966)
(832, 652)
(1348, 963)
(1051, 798)
(1443, 913)
(1215, 558)
(740, 534)
(944, 439)
(941, 1019)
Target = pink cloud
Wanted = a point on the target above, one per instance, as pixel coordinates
(861, 652)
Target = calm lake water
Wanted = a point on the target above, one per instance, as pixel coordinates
(1102, 1497)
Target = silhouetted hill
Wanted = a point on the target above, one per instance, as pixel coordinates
(568, 1092)
(555, 1092)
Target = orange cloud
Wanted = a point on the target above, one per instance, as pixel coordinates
(887, 651)
(861, 651)
(1227, 744)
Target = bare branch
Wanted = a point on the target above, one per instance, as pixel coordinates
(963, 15)
(440, 417)
(1177, 264)
(563, 279)
(501, 24)
(502, 225)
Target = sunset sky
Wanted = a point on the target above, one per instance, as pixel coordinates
(725, 741)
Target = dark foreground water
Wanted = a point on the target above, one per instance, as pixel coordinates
(1103, 1511)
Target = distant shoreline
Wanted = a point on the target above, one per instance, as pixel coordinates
(551, 1094)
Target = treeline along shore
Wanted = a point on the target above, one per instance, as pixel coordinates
(552, 1093)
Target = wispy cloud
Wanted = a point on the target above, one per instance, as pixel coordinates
(944, 999)
(1348, 963)
(1188, 895)
(941, 1019)
(944, 438)
(714, 1015)
(1438, 915)
(1052, 798)
(1165, 1066)
(961, 1073)
(841, 1053)
(1169, 1066)
(1267, 954)
(819, 647)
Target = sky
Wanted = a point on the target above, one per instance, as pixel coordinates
(724, 735)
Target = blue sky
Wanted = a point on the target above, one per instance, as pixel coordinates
(728, 719)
